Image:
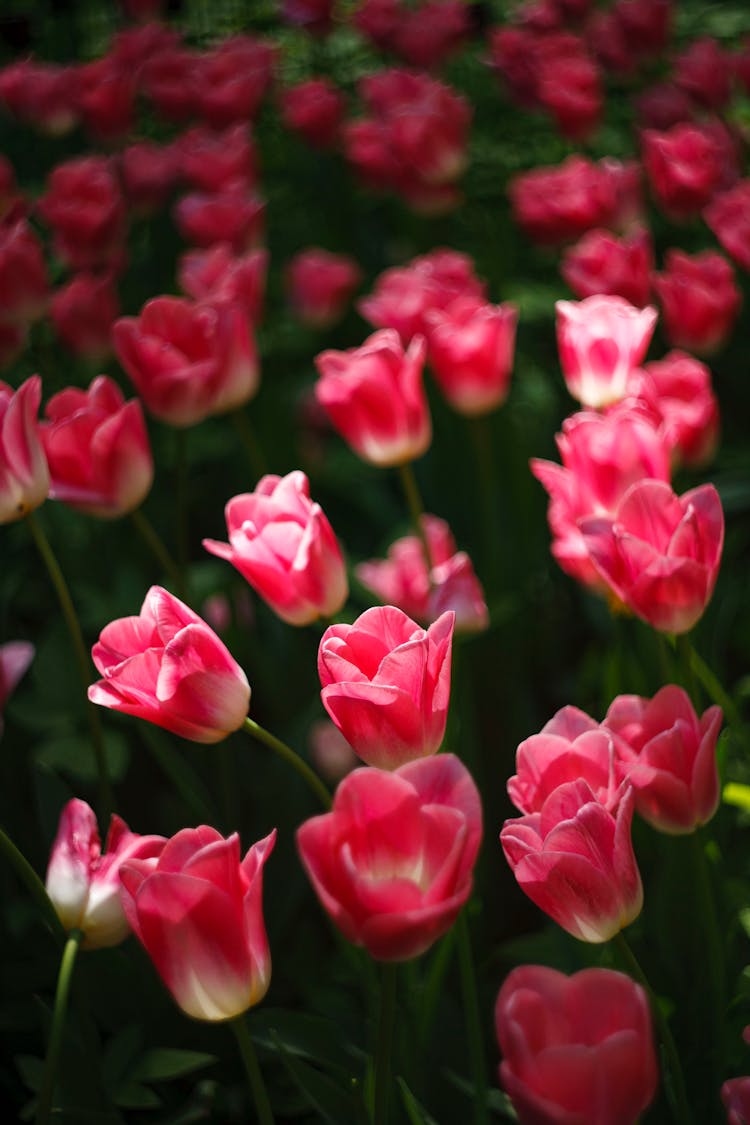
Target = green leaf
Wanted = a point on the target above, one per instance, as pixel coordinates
(164, 1063)
(31, 1070)
(131, 1095)
(415, 1112)
(327, 1098)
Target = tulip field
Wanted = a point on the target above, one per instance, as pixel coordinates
(374, 598)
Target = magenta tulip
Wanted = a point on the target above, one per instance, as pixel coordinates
(24, 476)
(601, 341)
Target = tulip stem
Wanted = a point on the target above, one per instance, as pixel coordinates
(47, 1091)
(153, 540)
(253, 1071)
(416, 511)
(106, 795)
(685, 653)
(34, 884)
(384, 1050)
(292, 757)
(712, 684)
(675, 1083)
(473, 1019)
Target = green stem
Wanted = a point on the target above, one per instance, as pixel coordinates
(299, 764)
(47, 1091)
(154, 542)
(713, 687)
(253, 1071)
(384, 1050)
(714, 959)
(44, 547)
(416, 511)
(473, 1019)
(34, 884)
(685, 653)
(675, 1086)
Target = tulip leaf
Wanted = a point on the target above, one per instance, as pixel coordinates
(163, 1063)
(327, 1098)
(132, 1095)
(414, 1111)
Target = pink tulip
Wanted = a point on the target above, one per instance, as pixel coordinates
(84, 883)
(168, 667)
(686, 167)
(86, 211)
(728, 216)
(83, 311)
(97, 449)
(24, 288)
(699, 300)
(575, 860)
(601, 263)
(735, 1095)
(660, 552)
(188, 360)
(232, 80)
(668, 755)
(42, 94)
(704, 72)
(218, 276)
(234, 215)
(375, 398)
(106, 99)
(149, 175)
(320, 286)
(386, 684)
(556, 204)
(471, 348)
(198, 912)
(282, 543)
(678, 391)
(576, 1050)
(211, 160)
(169, 80)
(392, 862)
(24, 476)
(15, 658)
(427, 35)
(601, 341)
(315, 110)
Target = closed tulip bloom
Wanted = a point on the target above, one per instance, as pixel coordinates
(166, 666)
(282, 543)
(392, 862)
(471, 348)
(24, 288)
(602, 263)
(24, 476)
(600, 342)
(234, 215)
(735, 1095)
(86, 211)
(555, 204)
(576, 1050)
(320, 286)
(386, 684)
(84, 883)
(149, 175)
(315, 110)
(668, 755)
(212, 160)
(232, 79)
(375, 398)
(685, 166)
(660, 553)
(198, 912)
(97, 449)
(188, 360)
(728, 217)
(678, 389)
(699, 300)
(575, 860)
(219, 276)
(83, 311)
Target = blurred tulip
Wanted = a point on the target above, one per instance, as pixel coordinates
(232, 80)
(684, 166)
(24, 476)
(219, 276)
(315, 110)
(735, 1094)
(198, 912)
(330, 752)
(601, 341)
(24, 287)
(43, 95)
(232, 215)
(149, 175)
(86, 211)
(166, 666)
(663, 105)
(427, 35)
(83, 311)
(678, 391)
(699, 300)
(15, 658)
(704, 72)
(728, 216)
(106, 99)
(557, 204)
(315, 16)
(320, 286)
(213, 160)
(170, 81)
(470, 347)
(392, 862)
(602, 263)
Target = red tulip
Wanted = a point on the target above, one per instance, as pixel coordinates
(212, 160)
(728, 216)
(470, 347)
(315, 110)
(24, 288)
(685, 166)
(83, 312)
(602, 263)
(219, 276)
(24, 476)
(86, 211)
(149, 174)
(705, 73)
(699, 300)
(320, 285)
(232, 79)
(232, 215)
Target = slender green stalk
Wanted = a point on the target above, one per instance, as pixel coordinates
(685, 653)
(473, 1019)
(292, 757)
(154, 542)
(57, 578)
(416, 510)
(714, 956)
(248, 437)
(34, 884)
(675, 1086)
(253, 1071)
(47, 1091)
(384, 1049)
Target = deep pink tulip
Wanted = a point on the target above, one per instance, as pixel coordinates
(320, 285)
(685, 166)
(663, 105)
(149, 175)
(386, 684)
(233, 215)
(704, 71)
(402, 579)
(557, 204)
(198, 912)
(699, 300)
(13, 205)
(668, 755)
(97, 450)
(15, 658)
(106, 98)
(735, 1094)
(219, 276)
(374, 397)
(678, 390)
(728, 216)
(86, 211)
(600, 342)
(170, 81)
(24, 476)
(315, 16)
(211, 160)
(471, 347)
(168, 667)
(314, 109)
(84, 883)
(282, 543)
(569, 85)
(392, 862)
(576, 1050)
(24, 286)
(602, 455)
(575, 860)
(659, 552)
(232, 80)
(427, 35)
(602, 263)
(188, 360)
(83, 311)
(44, 95)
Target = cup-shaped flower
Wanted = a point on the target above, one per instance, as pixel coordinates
(699, 299)
(24, 476)
(375, 398)
(668, 755)
(283, 544)
(392, 862)
(660, 552)
(168, 667)
(84, 883)
(471, 347)
(198, 912)
(386, 684)
(574, 859)
(576, 1050)
(83, 312)
(601, 341)
(97, 449)
(678, 390)
(320, 286)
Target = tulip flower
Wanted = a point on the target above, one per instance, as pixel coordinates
(84, 883)
(83, 312)
(282, 543)
(198, 912)
(699, 300)
(168, 667)
(728, 217)
(375, 398)
(233, 215)
(386, 684)
(470, 347)
(211, 161)
(320, 286)
(85, 209)
(678, 391)
(576, 1049)
(668, 755)
(557, 204)
(659, 552)
(392, 862)
(619, 267)
(218, 276)
(315, 110)
(685, 166)
(24, 476)
(15, 658)
(735, 1095)
(575, 860)
(24, 288)
(97, 449)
